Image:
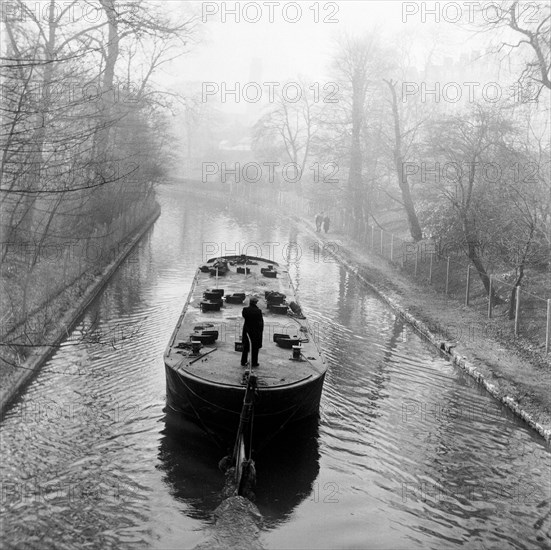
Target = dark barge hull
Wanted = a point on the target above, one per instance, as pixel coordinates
(217, 407)
(211, 391)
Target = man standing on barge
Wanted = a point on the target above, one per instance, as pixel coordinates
(253, 328)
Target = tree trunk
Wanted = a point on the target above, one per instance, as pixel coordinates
(513, 301)
(355, 173)
(32, 181)
(413, 222)
(102, 137)
(512, 304)
(472, 252)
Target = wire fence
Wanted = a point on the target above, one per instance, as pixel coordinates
(455, 277)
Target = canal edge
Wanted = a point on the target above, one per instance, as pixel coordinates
(445, 348)
(32, 366)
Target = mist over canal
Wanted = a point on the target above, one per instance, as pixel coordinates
(409, 451)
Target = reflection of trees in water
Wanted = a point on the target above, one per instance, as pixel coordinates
(345, 301)
(126, 288)
(381, 377)
(292, 256)
(359, 362)
(286, 469)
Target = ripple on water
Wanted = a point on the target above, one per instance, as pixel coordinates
(409, 452)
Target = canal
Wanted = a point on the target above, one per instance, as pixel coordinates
(409, 451)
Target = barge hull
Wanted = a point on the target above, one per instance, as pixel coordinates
(217, 408)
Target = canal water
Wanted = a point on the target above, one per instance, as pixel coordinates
(409, 452)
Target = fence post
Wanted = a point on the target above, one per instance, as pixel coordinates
(430, 267)
(490, 290)
(517, 308)
(392, 247)
(468, 288)
(416, 258)
(382, 236)
(447, 275)
(548, 327)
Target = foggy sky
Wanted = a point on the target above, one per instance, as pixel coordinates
(288, 50)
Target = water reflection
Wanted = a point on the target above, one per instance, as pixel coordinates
(286, 468)
(188, 458)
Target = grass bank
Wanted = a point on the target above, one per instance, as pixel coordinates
(68, 307)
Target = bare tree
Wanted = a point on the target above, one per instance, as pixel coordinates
(526, 28)
(290, 127)
(399, 157)
(360, 63)
(466, 147)
(519, 231)
(68, 167)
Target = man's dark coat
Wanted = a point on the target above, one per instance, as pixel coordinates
(254, 325)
